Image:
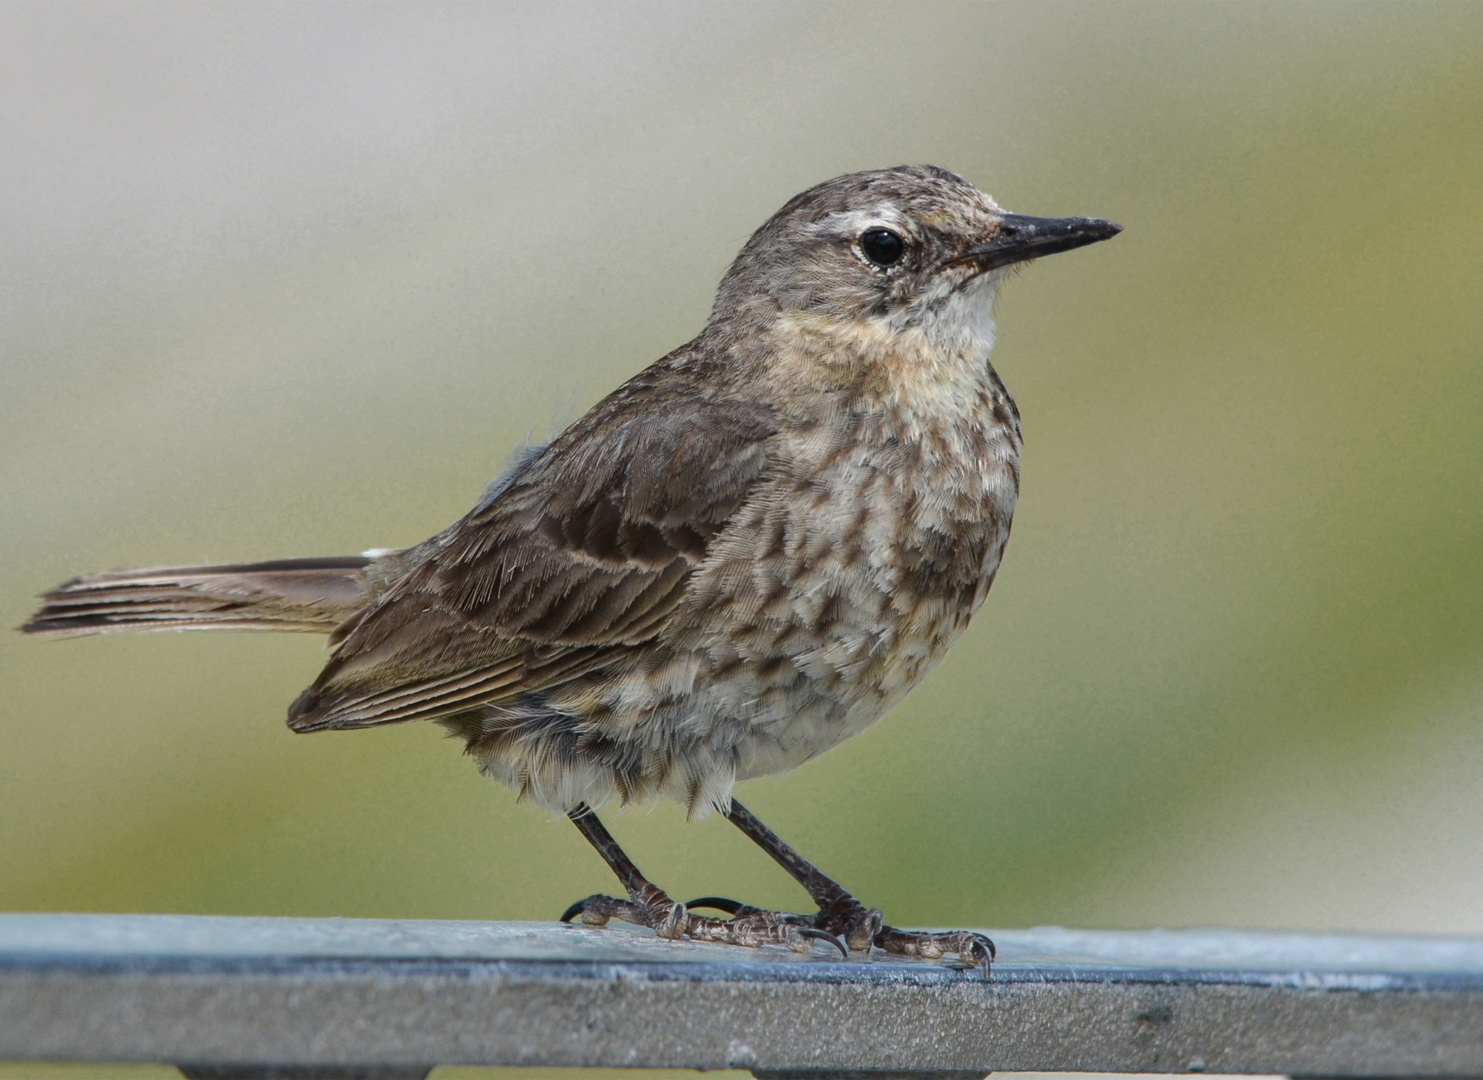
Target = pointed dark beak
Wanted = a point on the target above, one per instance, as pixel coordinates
(1020, 238)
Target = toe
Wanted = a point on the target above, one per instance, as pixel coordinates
(862, 934)
(718, 903)
(674, 923)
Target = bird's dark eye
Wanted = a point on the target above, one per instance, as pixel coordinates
(881, 246)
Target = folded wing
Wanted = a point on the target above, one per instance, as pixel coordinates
(586, 555)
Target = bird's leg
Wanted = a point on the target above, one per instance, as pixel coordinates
(645, 899)
(841, 914)
(838, 910)
(648, 905)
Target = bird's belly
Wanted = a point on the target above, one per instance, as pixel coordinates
(808, 687)
(688, 724)
(762, 697)
(817, 617)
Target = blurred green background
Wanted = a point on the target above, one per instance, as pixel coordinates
(287, 280)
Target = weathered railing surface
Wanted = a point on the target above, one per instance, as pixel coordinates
(224, 997)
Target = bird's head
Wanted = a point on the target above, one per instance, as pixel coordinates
(914, 248)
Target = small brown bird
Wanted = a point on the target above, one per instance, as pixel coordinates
(738, 559)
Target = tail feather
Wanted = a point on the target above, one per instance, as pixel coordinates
(312, 595)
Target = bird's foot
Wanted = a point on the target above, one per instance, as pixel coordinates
(849, 921)
(859, 927)
(752, 928)
(972, 949)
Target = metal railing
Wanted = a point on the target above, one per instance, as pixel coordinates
(330, 998)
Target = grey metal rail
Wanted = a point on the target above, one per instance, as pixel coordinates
(229, 998)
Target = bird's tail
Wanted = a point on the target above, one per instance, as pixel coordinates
(312, 595)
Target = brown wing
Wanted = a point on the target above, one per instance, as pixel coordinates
(584, 556)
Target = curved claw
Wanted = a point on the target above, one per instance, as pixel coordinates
(717, 903)
(982, 953)
(576, 909)
(819, 935)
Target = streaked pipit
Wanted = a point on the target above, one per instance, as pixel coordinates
(738, 559)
